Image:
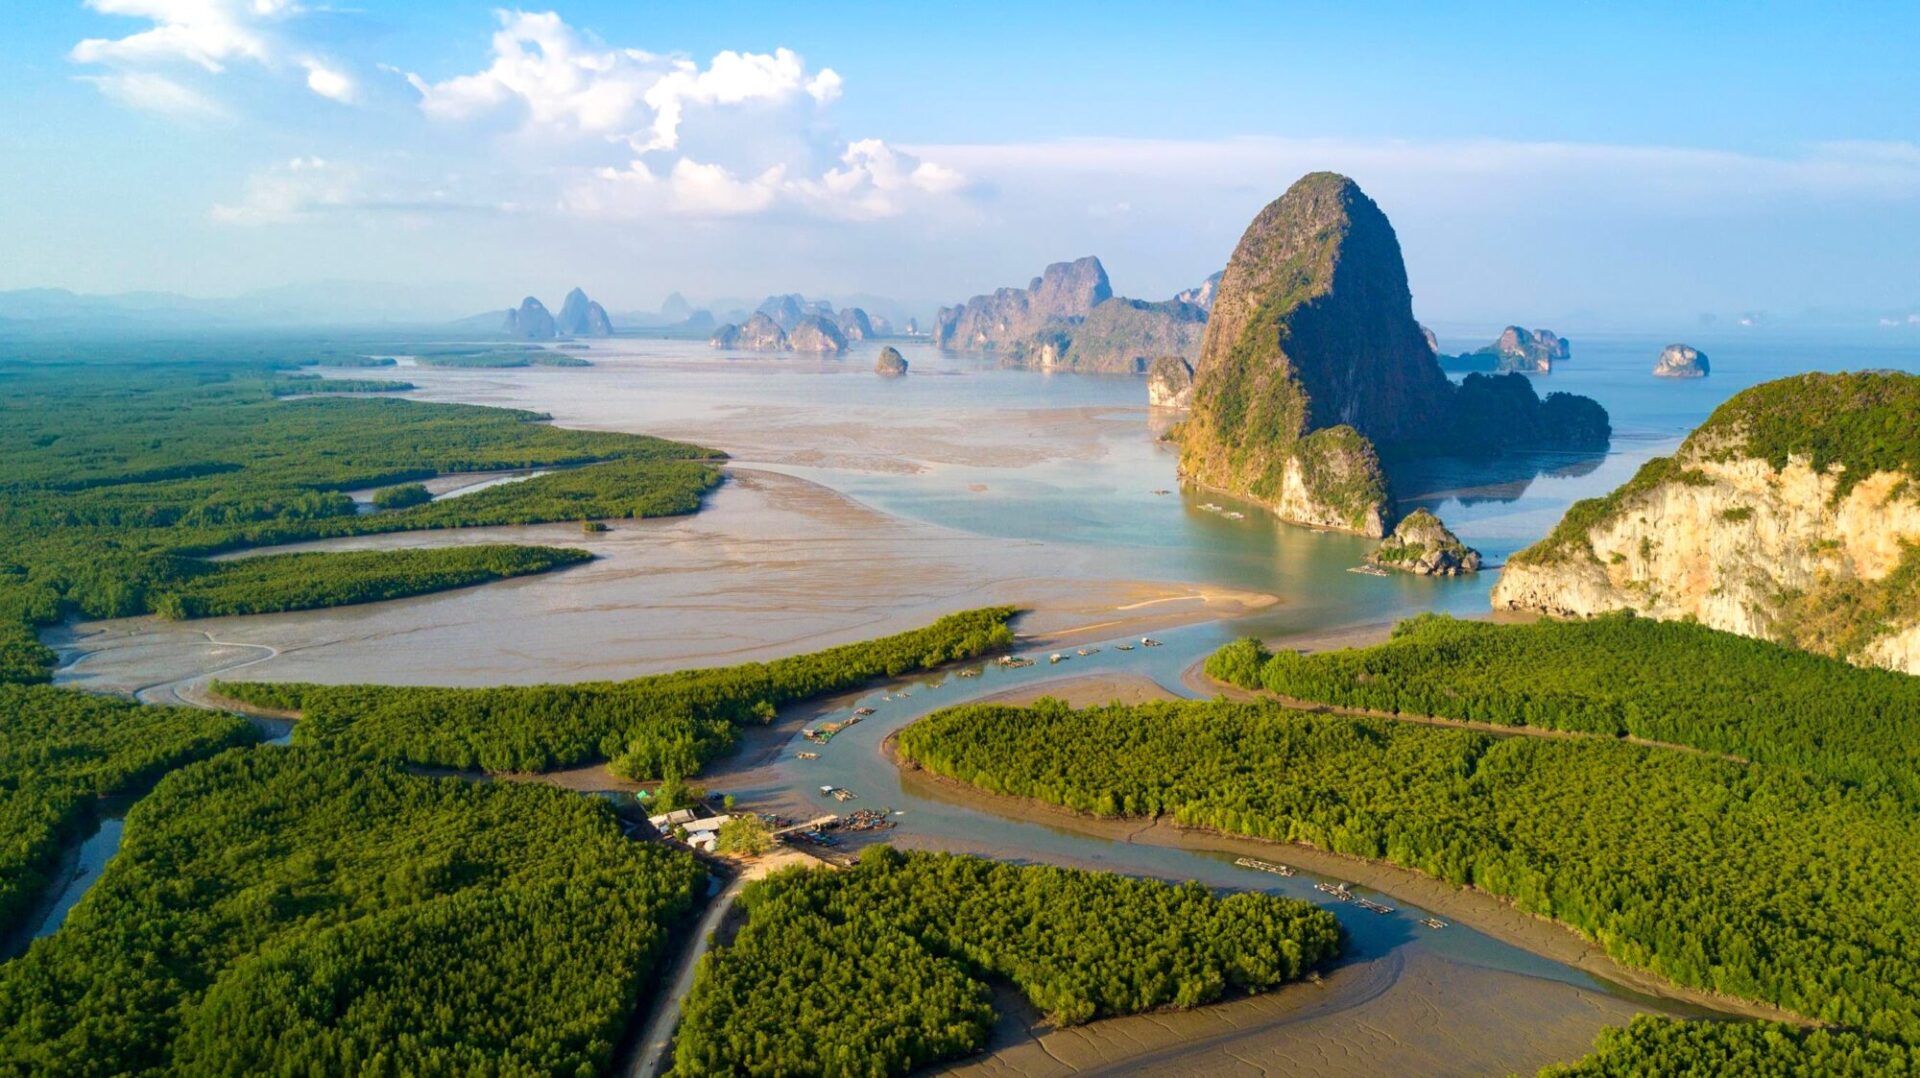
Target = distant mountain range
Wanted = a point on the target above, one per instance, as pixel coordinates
(354, 304)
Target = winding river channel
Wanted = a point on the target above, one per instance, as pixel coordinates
(859, 506)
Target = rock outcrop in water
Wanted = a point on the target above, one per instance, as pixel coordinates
(530, 322)
(582, 317)
(1120, 336)
(854, 324)
(890, 362)
(1681, 361)
(1069, 319)
(1170, 383)
(1312, 356)
(1525, 351)
(1065, 292)
(1792, 514)
(787, 311)
(759, 333)
(1421, 544)
(817, 334)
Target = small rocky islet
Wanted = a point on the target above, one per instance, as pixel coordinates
(1681, 361)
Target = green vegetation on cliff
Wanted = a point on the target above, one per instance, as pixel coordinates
(1863, 422)
(667, 725)
(118, 479)
(60, 751)
(277, 911)
(880, 969)
(1312, 331)
(1756, 881)
(1570, 538)
(1616, 676)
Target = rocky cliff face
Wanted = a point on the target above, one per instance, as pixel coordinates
(1531, 349)
(759, 333)
(1120, 336)
(530, 322)
(1681, 361)
(1169, 383)
(890, 362)
(815, 333)
(1422, 545)
(1516, 350)
(1793, 514)
(1312, 356)
(1065, 291)
(582, 317)
(1201, 295)
(1311, 352)
(787, 311)
(855, 325)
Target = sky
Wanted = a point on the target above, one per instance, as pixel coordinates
(1599, 162)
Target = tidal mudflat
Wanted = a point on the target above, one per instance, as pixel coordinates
(773, 565)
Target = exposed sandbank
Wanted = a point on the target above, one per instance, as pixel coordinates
(775, 565)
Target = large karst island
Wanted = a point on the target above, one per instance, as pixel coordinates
(1792, 514)
(579, 317)
(793, 323)
(1312, 370)
(1069, 319)
(1528, 351)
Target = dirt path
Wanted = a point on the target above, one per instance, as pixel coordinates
(650, 1056)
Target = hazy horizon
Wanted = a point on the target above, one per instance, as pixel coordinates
(1630, 166)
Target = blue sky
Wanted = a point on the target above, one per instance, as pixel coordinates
(1613, 162)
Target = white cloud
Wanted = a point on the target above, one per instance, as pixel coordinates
(561, 81)
(291, 192)
(207, 34)
(733, 78)
(156, 93)
(203, 32)
(874, 182)
(328, 82)
(760, 145)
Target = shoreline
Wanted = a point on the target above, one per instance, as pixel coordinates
(1493, 915)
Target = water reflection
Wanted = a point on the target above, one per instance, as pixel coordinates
(1426, 482)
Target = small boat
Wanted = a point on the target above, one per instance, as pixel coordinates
(1433, 922)
(1235, 516)
(1368, 570)
(1056, 658)
(863, 711)
(809, 755)
(1149, 642)
(1123, 647)
(1263, 866)
(1088, 651)
(1163, 492)
(969, 673)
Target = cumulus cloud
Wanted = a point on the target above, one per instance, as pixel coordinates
(873, 182)
(761, 149)
(329, 82)
(203, 34)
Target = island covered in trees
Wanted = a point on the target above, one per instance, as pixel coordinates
(912, 938)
